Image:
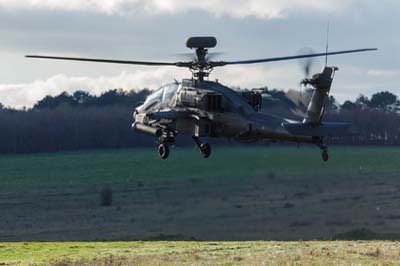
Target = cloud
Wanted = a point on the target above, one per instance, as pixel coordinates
(27, 94)
(101, 6)
(282, 76)
(20, 95)
(384, 73)
(235, 8)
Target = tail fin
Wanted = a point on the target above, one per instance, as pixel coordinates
(322, 83)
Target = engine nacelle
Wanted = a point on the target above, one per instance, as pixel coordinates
(253, 98)
(205, 100)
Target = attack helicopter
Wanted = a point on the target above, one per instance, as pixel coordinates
(202, 108)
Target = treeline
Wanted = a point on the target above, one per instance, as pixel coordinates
(82, 99)
(68, 129)
(83, 121)
(376, 120)
(73, 122)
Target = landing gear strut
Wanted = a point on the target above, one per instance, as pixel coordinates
(324, 150)
(325, 155)
(166, 139)
(205, 148)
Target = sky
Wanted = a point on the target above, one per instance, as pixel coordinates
(157, 29)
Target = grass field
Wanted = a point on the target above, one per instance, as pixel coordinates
(122, 166)
(202, 253)
(240, 194)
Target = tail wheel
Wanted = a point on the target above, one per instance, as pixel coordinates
(205, 150)
(163, 151)
(325, 155)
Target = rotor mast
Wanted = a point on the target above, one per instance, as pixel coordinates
(201, 60)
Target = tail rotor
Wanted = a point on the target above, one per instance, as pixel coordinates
(307, 65)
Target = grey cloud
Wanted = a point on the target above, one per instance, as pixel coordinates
(238, 8)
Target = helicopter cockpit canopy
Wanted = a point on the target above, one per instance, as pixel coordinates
(161, 97)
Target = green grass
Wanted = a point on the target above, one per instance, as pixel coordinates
(120, 166)
(201, 253)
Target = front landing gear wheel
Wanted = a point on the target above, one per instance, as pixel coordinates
(325, 155)
(163, 151)
(205, 150)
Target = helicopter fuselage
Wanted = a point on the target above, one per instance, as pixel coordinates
(210, 109)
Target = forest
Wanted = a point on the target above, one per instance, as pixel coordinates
(82, 121)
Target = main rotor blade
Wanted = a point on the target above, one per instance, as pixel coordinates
(274, 59)
(145, 63)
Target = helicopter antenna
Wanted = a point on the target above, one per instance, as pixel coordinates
(327, 44)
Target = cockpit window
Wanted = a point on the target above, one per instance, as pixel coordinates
(169, 92)
(153, 99)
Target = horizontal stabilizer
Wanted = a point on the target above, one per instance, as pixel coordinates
(326, 129)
